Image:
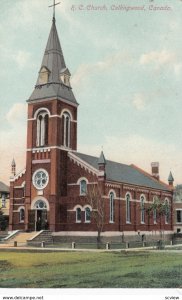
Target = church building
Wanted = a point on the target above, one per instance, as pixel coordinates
(52, 192)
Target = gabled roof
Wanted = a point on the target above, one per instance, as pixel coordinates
(53, 61)
(124, 173)
(4, 187)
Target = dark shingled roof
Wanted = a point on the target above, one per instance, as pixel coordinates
(4, 187)
(53, 61)
(124, 173)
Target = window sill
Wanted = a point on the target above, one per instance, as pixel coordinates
(128, 222)
(22, 222)
(78, 222)
(87, 222)
(111, 222)
(142, 223)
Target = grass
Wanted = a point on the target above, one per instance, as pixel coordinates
(90, 270)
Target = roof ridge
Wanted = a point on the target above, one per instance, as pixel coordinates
(149, 175)
(107, 160)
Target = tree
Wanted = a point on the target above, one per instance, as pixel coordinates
(160, 209)
(94, 197)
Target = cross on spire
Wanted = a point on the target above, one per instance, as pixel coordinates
(54, 9)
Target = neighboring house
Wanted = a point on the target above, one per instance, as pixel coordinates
(177, 209)
(4, 199)
(51, 191)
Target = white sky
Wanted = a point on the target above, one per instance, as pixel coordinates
(126, 75)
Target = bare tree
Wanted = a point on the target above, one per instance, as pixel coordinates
(94, 198)
(160, 209)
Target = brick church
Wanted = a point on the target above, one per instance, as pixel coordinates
(52, 192)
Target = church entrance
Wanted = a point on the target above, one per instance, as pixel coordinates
(41, 220)
(38, 217)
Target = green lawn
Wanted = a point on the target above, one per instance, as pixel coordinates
(91, 270)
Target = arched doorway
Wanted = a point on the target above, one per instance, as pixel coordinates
(41, 218)
(39, 215)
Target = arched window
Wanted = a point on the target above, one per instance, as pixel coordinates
(111, 204)
(87, 215)
(22, 215)
(66, 129)
(83, 187)
(78, 215)
(155, 215)
(142, 207)
(40, 204)
(167, 211)
(128, 208)
(42, 129)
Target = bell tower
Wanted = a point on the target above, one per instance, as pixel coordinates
(51, 134)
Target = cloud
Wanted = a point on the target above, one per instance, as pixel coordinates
(86, 70)
(12, 145)
(17, 114)
(161, 59)
(158, 58)
(141, 151)
(22, 58)
(139, 102)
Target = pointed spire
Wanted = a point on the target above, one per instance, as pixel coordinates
(102, 160)
(13, 167)
(13, 164)
(53, 59)
(170, 178)
(102, 167)
(54, 77)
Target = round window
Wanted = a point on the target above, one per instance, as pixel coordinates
(40, 179)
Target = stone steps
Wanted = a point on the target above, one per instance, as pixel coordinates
(22, 237)
(43, 236)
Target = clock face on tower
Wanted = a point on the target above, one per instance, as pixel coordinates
(40, 179)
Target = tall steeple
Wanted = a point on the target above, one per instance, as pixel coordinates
(54, 77)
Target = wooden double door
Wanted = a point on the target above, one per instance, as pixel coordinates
(38, 220)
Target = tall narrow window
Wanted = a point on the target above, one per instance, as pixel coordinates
(155, 215)
(128, 208)
(83, 187)
(167, 211)
(46, 130)
(66, 129)
(111, 204)
(78, 215)
(22, 215)
(142, 204)
(3, 200)
(179, 216)
(87, 215)
(42, 129)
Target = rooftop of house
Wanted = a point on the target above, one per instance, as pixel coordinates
(4, 187)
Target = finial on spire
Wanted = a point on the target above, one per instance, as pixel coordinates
(54, 10)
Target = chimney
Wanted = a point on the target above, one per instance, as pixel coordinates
(155, 170)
